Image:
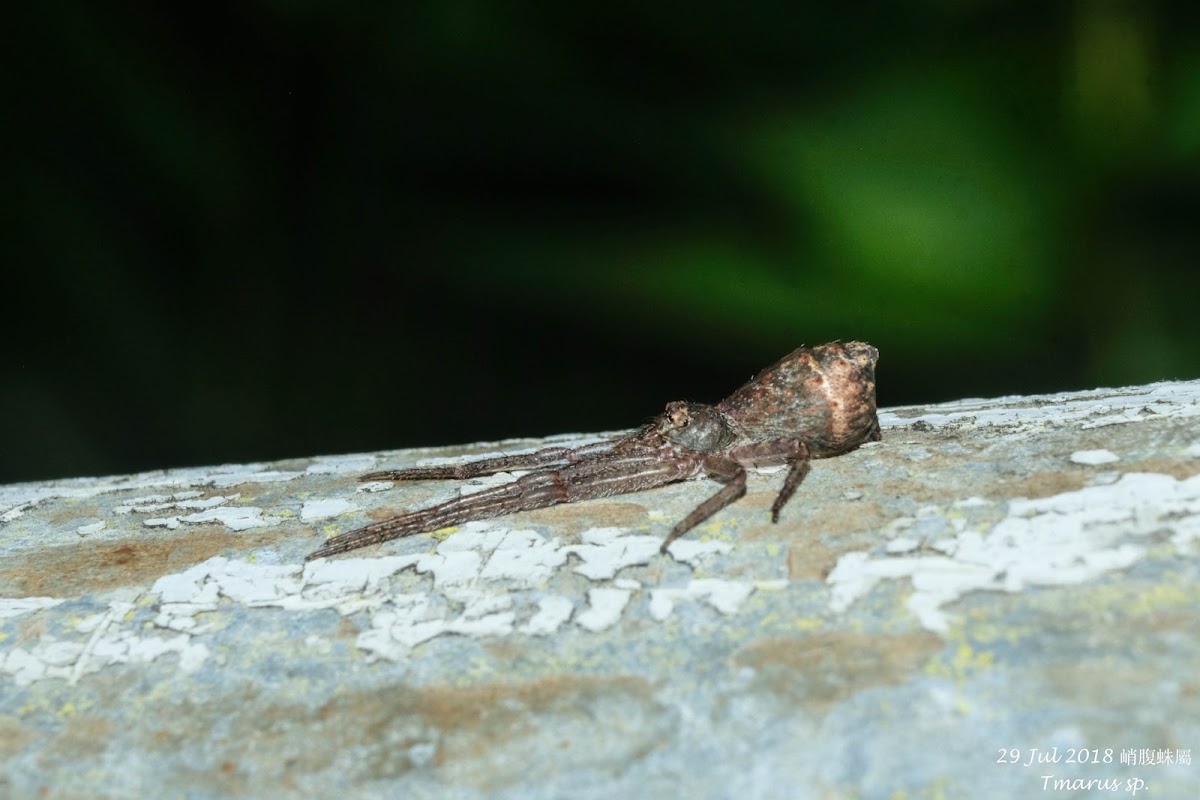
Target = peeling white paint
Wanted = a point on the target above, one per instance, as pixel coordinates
(725, 596)
(14, 511)
(553, 612)
(1094, 457)
(17, 499)
(258, 476)
(1064, 539)
(902, 545)
(694, 553)
(606, 551)
(604, 609)
(485, 551)
(1090, 409)
(180, 500)
(206, 509)
(973, 501)
(16, 606)
(524, 558)
(107, 643)
(317, 510)
(485, 581)
(237, 518)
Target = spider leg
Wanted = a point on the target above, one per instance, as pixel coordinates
(728, 472)
(796, 473)
(490, 466)
(791, 451)
(596, 477)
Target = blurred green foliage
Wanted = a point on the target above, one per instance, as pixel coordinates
(258, 230)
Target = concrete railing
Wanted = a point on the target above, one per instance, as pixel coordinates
(995, 585)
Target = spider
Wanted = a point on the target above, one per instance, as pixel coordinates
(815, 402)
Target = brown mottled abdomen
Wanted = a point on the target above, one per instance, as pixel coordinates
(823, 395)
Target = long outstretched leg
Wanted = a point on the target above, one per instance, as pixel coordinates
(730, 473)
(602, 477)
(490, 466)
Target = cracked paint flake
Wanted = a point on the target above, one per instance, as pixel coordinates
(604, 609)
(481, 550)
(479, 572)
(523, 557)
(317, 510)
(553, 612)
(725, 596)
(107, 643)
(16, 606)
(606, 551)
(236, 518)
(902, 545)
(1094, 457)
(1063, 539)
(180, 500)
(693, 552)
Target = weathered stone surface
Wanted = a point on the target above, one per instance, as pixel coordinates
(995, 578)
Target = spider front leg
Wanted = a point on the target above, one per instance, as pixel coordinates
(490, 466)
(730, 473)
(603, 476)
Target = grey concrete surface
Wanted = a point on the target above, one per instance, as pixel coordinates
(1001, 595)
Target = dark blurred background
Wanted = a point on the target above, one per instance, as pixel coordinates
(259, 230)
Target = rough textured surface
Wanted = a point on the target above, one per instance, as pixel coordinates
(995, 579)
